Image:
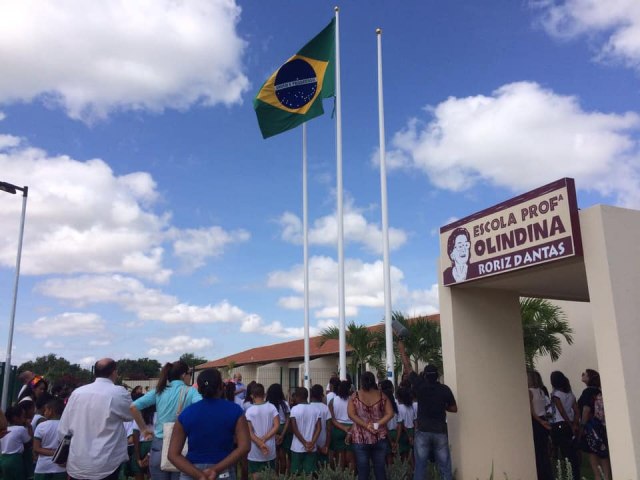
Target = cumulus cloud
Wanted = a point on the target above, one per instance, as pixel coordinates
(93, 58)
(194, 246)
(150, 304)
(613, 25)
(177, 344)
(82, 217)
(133, 296)
(66, 325)
(523, 136)
(364, 287)
(357, 229)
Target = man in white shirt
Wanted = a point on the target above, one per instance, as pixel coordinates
(94, 415)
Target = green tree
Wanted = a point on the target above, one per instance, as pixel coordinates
(57, 370)
(140, 369)
(192, 360)
(424, 342)
(544, 325)
(367, 346)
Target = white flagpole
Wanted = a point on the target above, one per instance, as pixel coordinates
(388, 332)
(342, 335)
(305, 228)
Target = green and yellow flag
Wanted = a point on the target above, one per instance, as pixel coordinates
(294, 93)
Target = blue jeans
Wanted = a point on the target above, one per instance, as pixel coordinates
(423, 444)
(376, 453)
(154, 463)
(202, 466)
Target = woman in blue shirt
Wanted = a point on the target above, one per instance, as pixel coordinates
(210, 427)
(170, 397)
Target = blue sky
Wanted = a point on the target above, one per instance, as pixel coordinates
(160, 222)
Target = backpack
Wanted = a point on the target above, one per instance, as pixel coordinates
(598, 408)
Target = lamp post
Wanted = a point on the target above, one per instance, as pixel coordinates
(13, 189)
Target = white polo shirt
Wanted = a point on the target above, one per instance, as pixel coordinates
(95, 414)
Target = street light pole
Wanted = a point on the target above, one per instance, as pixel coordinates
(9, 188)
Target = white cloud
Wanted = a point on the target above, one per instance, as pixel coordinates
(66, 325)
(82, 218)
(178, 344)
(53, 345)
(364, 287)
(87, 362)
(131, 295)
(615, 21)
(150, 304)
(523, 136)
(194, 246)
(93, 58)
(357, 229)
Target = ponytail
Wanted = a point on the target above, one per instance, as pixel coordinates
(163, 378)
(170, 372)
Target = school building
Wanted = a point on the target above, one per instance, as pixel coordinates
(284, 362)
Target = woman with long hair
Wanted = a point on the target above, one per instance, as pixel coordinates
(593, 429)
(538, 402)
(36, 387)
(341, 431)
(369, 409)
(170, 397)
(386, 387)
(275, 396)
(210, 427)
(565, 421)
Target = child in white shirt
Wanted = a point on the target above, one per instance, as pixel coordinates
(305, 423)
(264, 423)
(46, 441)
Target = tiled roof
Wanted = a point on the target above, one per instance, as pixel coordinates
(287, 351)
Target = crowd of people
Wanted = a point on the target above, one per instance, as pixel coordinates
(226, 429)
(565, 428)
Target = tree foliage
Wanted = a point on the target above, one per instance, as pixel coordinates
(424, 342)
(367, 346)
(192, 360)
(544, 325)
(140, 369)
(58, 370)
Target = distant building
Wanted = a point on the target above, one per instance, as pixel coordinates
(284, 362)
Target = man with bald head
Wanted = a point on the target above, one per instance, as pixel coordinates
(94, 416)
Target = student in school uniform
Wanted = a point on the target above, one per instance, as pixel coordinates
(324, 415)
(406, 416)
(264, 423)
(12, 445)
(46, 441)
(275, 396)
(305, 424)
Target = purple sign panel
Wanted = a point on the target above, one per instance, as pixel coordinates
(537, 227)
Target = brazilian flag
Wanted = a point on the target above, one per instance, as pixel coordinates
(294, 93)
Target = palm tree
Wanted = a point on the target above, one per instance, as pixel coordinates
(367, 345)
(424, 342)
(543, 325)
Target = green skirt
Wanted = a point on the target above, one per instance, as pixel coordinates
(145, 448)
(404, 446)
(337, 439)
(12, 466)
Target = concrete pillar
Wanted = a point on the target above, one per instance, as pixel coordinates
(483, 355)
(611, 240)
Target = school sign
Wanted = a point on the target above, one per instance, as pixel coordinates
(536, 227)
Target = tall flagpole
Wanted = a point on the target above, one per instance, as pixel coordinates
(388, 332)
(342, 336)
(305, 242)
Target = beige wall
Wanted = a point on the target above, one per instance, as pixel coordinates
(483, 357)
(611, 238)
(575, 358)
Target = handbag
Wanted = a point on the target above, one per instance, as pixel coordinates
(167, 431)
(61, 454)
